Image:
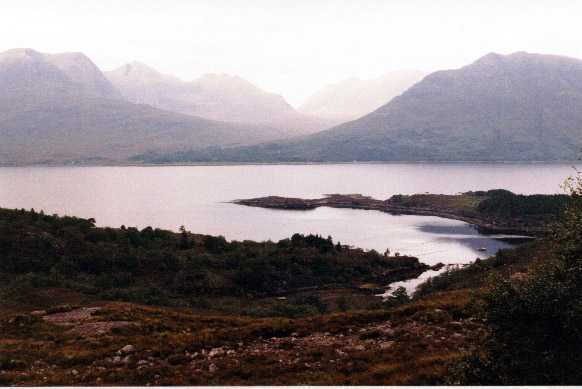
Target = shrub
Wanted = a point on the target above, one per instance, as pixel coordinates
(536, 321)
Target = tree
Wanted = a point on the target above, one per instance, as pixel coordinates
(185, 241)
(536, 320)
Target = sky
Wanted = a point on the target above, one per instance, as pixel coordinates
(292, 47)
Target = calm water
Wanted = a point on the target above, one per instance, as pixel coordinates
(197, 197)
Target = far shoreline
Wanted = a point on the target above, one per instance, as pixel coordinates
(325, 163)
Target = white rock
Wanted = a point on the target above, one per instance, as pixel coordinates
(215, 352)
(127, 349)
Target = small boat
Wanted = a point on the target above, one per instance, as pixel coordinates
(482, 249)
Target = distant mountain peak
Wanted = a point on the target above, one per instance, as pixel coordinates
(214, 96)
(226, 81)
(138, 72)
(20, 54)
(519, 106)
(139, 67)
(29, 72)
(354, 97)
(81, 70)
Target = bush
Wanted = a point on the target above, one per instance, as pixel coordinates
(536, 320)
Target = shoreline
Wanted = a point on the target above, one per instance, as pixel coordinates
(484, 224)
(306, 163)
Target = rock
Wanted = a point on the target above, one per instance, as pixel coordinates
(438, 266)
(216, 352)
(386, 345)
(127, 360)
(38, 313)
(230, 352)
(74, 372)
(127, 349)
(212, 368)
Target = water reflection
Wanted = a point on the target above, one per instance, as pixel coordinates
(483, 246)
(197, 197)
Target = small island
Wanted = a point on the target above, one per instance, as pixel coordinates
(495, 211)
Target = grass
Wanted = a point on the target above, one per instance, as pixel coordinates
(265, 351)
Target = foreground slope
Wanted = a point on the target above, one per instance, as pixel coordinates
(242, 313)
(517, 107)
(72, 310)
(56, 108)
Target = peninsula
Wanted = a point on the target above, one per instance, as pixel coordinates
(495, 211)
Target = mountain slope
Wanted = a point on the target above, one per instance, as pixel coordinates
(353, 98)
(517, 107)
(81, 70)
(212, 96)
(61, 107)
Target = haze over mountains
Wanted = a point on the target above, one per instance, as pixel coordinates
(353, 98)
(213, 96)
(61, 107)
(517, 107)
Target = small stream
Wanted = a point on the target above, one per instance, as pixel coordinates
(412, 284)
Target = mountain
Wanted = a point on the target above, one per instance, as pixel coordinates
(213, 96)
(61, 107)
(353, 98)
(82, 71)
(517, 107)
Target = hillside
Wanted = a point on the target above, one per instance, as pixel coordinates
(297, 311)
(518, 107)
(81, 305)
(213, 96)
(354, 98)
(61, 108)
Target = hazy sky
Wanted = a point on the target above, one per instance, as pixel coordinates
(291, 47)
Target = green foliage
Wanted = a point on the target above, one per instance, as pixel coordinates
(474, 274)
(500, 202)
(398, 297)
(536, 320)
(154, 266)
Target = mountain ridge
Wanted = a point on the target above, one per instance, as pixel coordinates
(215, 96)
(60, 108)
(353, 98)
(516, 107)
